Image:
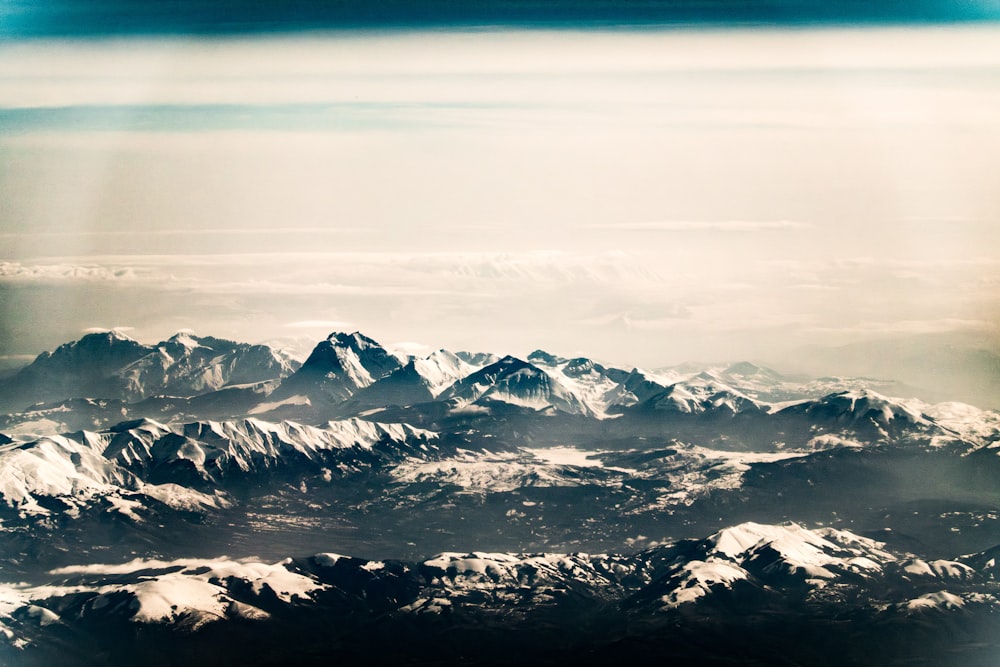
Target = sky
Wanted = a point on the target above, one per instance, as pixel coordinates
(643, 194)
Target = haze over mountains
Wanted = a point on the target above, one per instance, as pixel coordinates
(186, 502)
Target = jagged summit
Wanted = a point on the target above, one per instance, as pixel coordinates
(596, 504)
(112, 365)
(350, 373)
(517, 382)
(338, 368)
(355, 340)
(479, 359)
(85, 367)
(185, 337)
(545, 358)
(95, 342)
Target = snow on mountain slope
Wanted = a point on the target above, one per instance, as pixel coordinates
(698, 579)
(636, 387)
(458, 579)
(499, 472)
(594, 385)
(58, 466)
(701, 395)
(792, 550)
(186, 365)
(217, 449)
(442, 369)
(774, 555)
(188, 593)
(933, 601)
(418, 381)
(79, 467)
(871, 417)
(863, 406)
(769, 569)
(113, 366)
(517, 382)
(981, 427)
(940, 569)
(338, 368)
(83, 368)
(478, 359)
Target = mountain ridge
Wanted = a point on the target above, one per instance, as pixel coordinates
(698, 514)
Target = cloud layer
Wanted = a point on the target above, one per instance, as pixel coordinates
(649, 196)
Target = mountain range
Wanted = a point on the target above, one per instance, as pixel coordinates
(183, 502)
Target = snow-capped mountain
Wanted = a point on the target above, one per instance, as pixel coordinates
(188, 365)
(839, 519)
(420, 380)
(699, 396)
(516, 382)
(595, 385)
(864, 416)
(338, 368)
(66, 472)
(442, 369)
(629, 605)
(84, 368)
(112, 365)
(636, 387)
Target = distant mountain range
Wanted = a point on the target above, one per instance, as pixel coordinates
(165, 504)
(113, 366)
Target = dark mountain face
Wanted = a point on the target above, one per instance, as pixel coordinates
(752, 592)
(82, 368)
(402, 387)
(187, 365)
(114, 513)
(514, 382)
(338, 367)
(866, 416)
(375, 359)
(113, 366)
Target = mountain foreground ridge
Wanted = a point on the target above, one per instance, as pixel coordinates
(188, 502)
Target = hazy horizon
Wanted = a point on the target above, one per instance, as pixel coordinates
(645, 197)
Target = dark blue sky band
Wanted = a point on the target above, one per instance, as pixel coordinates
(83, 18)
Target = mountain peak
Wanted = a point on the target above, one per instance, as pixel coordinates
(185, 338)
(545, 357)
(109, 335)
(510, 362)
(341, 365)
(355, 340)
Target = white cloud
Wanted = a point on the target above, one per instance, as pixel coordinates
(20, 272)
(121, 330)
(17, 357)
(411, 348)
(470, 274)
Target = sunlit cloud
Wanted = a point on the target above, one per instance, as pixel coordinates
(730, 189)
(119, 329)
(19, 272)
(411, 348)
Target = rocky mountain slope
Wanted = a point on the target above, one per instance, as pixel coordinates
(160, 503)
